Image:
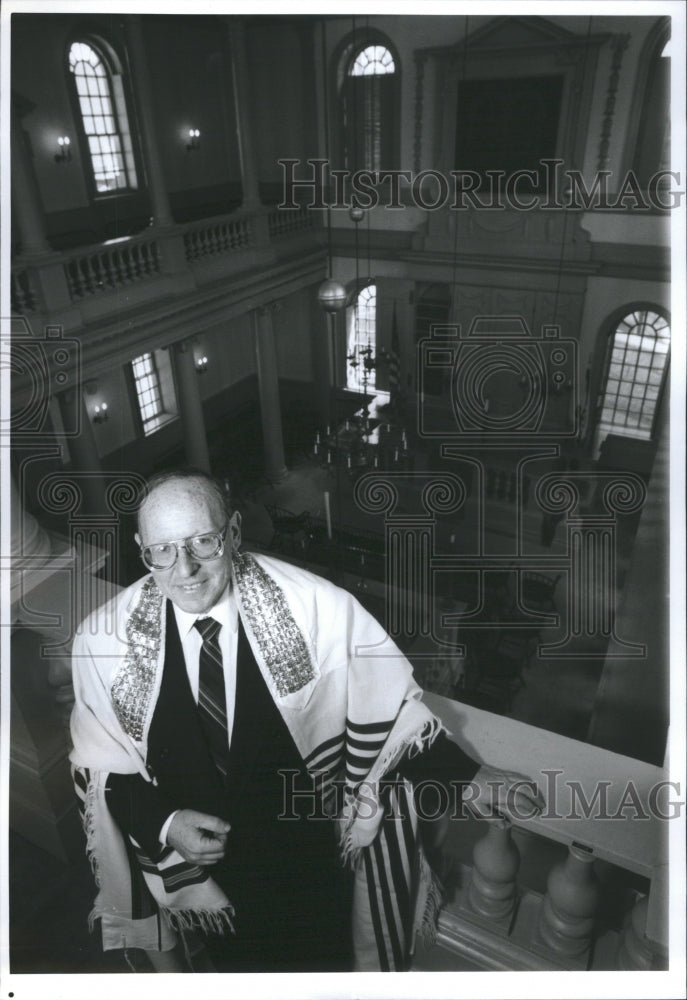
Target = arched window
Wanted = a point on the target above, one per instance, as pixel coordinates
(104, 117)
(634, 373)
(369, 99)
(362, 341)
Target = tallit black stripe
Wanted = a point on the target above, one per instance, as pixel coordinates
(365, 744)
(387, 901)
(396, 847)
(325, 762)
(325, 745)
(189, 878)
(370, 727)
(374, 911)
(80, 781)
(353, 760)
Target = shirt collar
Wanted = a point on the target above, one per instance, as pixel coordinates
(225, 612)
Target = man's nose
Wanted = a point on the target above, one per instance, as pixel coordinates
(186, 564)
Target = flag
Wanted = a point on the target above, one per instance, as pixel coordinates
(394, 361)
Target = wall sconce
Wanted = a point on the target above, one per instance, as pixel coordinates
(100, 413)
(201, 365)
(64, 153)
(193, 139)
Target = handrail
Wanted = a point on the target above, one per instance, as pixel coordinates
(625, 796)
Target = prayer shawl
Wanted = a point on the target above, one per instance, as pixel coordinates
(347, 695)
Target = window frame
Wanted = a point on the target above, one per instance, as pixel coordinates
(601, 428)
(353, 327)
(342, 59)
(163, 416)
(115, 68)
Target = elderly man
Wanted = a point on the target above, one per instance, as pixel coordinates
(240, 727)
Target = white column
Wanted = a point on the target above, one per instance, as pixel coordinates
(244, 124)
(162, 213)
(268, 386)
(190, 407)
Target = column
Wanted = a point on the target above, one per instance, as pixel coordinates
(28, 538)
(25, 197)
(244, 129)
(162, 213)
(190, 406)
(268, 387)
(83, 450)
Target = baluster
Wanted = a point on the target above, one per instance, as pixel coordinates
(17, 295)
(634, 951)
(224, 238)
(492, 891)
(118, 261)
(74, 279)
(90, 275)
(566, 919)
(145, 259)
(135, 262)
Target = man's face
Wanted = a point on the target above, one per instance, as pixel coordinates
(179, 509)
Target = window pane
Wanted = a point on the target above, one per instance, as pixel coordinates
(636, 366)
(94, 90)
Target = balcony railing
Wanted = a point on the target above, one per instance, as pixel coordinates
(111, 267)
(603, 811)
(218, 236)
(61, 280)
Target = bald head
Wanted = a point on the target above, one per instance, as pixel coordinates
(176, 508)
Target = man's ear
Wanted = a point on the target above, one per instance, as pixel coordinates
(235, 529)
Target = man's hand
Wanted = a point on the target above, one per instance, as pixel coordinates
(508, 793)
(199, 838)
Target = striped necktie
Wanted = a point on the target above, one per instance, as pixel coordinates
(212, 701)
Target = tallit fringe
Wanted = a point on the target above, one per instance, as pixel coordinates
(413, 745)
(430, 914)
(88, 823)
(209, 921)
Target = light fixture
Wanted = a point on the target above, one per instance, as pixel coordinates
(356, 214)
(201, 364)
(100, 413)
(193, 140)
(64, 153)
(331, 295)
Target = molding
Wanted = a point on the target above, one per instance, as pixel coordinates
(618, 46)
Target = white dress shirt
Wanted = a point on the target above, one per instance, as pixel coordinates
(227, 614)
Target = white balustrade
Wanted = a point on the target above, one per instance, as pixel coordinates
(602, 807)
(284, 221)
(22, 295)
(218, 236)
(107, 268)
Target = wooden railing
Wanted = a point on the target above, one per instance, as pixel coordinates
(603, 810)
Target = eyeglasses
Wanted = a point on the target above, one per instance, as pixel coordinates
(209, 545)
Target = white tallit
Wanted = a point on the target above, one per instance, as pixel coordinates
(346, 694)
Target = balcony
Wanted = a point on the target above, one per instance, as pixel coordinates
(80, 286)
